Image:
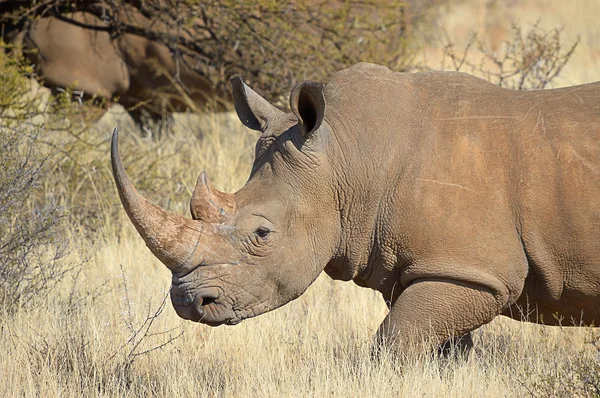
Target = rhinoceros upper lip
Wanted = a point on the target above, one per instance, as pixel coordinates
(176, 278)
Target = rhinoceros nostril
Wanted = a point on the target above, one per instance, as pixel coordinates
(181, 300)
(188, 299)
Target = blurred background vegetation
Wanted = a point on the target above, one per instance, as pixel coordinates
(64, 235)
(273, 44)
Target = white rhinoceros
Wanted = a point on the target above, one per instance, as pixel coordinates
(458, 200)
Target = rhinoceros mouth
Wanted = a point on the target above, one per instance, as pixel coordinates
(200, 309)
(213, 313)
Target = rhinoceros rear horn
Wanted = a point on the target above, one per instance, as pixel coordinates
(172, 238)
(308, 104)
(208, 204)
(252, 109)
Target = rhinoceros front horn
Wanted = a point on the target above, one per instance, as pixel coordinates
(172, 238)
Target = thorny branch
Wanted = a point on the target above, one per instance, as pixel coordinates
(528, 61)
(143, 332)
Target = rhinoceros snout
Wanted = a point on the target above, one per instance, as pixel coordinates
(192, 306)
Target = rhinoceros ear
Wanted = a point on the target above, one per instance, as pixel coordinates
(252, 109)
(308, 104)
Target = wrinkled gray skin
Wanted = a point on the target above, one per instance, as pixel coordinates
(456, 199)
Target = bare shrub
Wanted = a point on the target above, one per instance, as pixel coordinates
(33, 240)
(528, 60)
(141, 336)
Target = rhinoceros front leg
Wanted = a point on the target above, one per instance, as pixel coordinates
(443, 310)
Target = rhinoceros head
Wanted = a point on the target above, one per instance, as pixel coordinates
(250, 252)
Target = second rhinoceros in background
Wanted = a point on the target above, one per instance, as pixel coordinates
(456, 199)
(86, 51)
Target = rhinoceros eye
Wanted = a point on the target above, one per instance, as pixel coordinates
(262, 232)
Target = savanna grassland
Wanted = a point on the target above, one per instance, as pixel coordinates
(108, 328)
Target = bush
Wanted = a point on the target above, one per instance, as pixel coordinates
(528, 61)
(33, 240)
(273, 44)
